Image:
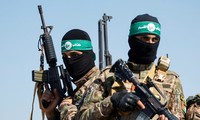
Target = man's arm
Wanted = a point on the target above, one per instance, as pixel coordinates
(96, 106)
(67, 109)
(176, 103)
(95, 111)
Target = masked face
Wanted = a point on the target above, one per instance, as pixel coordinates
(79, 64)
(143, 49)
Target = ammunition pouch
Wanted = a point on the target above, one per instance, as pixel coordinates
(163, 63)
(161, 68)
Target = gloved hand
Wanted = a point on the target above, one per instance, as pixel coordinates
(124, 101)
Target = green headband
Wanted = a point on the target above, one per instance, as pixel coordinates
(145, 27)
(75, 45)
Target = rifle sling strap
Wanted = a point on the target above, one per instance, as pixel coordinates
(37, 88)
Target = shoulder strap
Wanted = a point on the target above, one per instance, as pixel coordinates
(150, 73)
(37, 87)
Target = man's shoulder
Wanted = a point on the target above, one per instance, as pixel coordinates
(105, 77)
(172, 73)
(106, 69)
(105, 73)
(164, 65)
(173, 78)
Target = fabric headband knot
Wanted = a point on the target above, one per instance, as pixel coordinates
(145, 27)
(78, 44)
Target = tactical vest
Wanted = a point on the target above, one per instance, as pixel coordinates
(156, 72)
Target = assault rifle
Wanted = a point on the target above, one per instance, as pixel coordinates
(56, 76)
(107, 55)
(152, 105)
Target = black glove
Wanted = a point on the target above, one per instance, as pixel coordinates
(124, 101)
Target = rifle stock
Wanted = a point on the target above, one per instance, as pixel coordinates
(152, 104)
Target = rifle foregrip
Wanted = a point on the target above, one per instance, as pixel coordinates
(169, 115)
(49, 49)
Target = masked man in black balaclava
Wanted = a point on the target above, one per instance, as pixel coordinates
(78, 57)
(144, 38)
(121, 99)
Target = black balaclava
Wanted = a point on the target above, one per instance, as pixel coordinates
(141, 52)
(78, 66)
